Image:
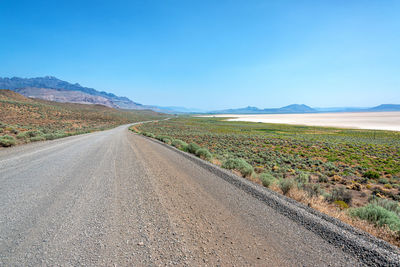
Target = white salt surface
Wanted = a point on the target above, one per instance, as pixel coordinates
(356, 120)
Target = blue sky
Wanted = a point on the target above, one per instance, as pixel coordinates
(211, 54)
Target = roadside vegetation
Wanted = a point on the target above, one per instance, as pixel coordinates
(353, 175)
(24, 120)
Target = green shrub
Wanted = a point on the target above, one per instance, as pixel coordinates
(286, 185)
(7, 141)
(204, 154)
(164, 139)
(148, 134)
(37, 138)
(371, 174)
(330, 166)
(179, 144)
(151, 135)
(192, 148)
(377, 215)
(52, 136)
(22, 135)
(387, 204)
(383, 181)
(167, 140)
(238, 164)
(267, 179)
(303, 178)
(340, 193)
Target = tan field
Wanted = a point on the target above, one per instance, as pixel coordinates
(357, 120)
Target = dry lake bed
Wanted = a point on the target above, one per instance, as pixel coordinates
(357, 120)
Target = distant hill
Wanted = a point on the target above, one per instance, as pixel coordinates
(61, 92)
(386, 107)
(295, 108)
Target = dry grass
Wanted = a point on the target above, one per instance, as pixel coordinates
(318, 203)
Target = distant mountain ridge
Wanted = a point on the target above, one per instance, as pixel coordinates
(38, 85)
(294, 108)
(386, 107)
(301, 108)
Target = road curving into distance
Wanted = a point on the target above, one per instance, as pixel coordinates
(117, 198)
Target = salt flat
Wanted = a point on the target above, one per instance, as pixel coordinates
(357, 120)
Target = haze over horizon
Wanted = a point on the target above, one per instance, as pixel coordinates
(211, 55)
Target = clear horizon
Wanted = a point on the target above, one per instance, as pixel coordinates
(211, 55)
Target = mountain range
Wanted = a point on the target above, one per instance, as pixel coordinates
(53, 89)
(295, 108)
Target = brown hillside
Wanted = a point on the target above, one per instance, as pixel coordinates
(6, 94)
(49, 120)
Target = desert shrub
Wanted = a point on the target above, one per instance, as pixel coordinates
(383, 181)
(313, 190)
(286, 185)
(377, 215)
(29, 134)
(164, 139)
(161, 137)
(1, 130)
(371, 174)
(387, 204)
(192, 148)
(267, 179)
(151, 135)
(340, 193)
(330, 166)
(22, 135)
(7, 141)
(179, 144)
(167, 140)
(323, 179)
(238, 164)
(52, 136)
(49, 136)
(303, 178)
(204, 154)
(37, 138)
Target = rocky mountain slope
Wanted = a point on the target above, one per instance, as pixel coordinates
(51, 88)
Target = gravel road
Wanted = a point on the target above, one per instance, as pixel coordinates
(116, 198)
